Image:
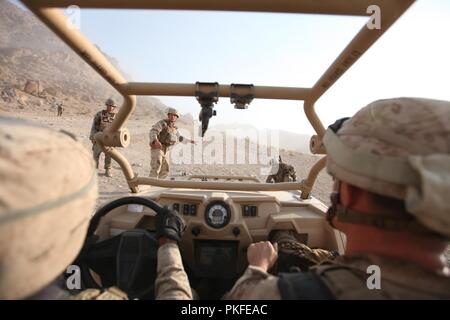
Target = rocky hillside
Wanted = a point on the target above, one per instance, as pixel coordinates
(37, 68)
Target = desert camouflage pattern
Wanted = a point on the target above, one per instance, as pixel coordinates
(110, 102)
(97, 151)
(285, 173)
(408, 141)
(159, 163)
(171, 282)
(173, 111)
(101, 120)
(166, 133)
(293, 253)
(112, 293)
(346, 278)
(43, 217)
(255, 284)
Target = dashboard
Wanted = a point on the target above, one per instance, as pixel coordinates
(221, 225)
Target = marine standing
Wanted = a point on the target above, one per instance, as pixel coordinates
(101, 120)
(163, 136)
(60, 109)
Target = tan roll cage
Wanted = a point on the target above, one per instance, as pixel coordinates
(117, 136)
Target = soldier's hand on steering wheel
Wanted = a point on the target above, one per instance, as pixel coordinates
(169, 224)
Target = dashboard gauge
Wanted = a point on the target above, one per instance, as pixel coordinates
(217, 214)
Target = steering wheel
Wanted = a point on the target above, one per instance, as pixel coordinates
(127, 260)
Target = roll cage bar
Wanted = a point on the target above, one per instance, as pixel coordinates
(118, 136)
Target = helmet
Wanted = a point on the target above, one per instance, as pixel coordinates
(173, 111)
(43, 216)
(398, 148)
(110, 102)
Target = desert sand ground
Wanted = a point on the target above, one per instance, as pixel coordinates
(138, 154)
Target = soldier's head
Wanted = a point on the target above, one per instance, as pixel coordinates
(173, 114)
(110, 105)
(391, 165)
(47, 194)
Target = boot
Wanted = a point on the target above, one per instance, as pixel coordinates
(108, 173)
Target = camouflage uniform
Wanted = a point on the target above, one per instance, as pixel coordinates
(112, 293)
(383, 134)
(171, 282)
(101, 120)
(294, 254)
(285, 173)
(36, 245)
(60, 110)
(346, 278)
(384, 148)
(166, 133)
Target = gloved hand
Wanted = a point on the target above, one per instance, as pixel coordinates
(169, 224)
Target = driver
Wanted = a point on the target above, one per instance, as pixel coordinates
(45, 207)
(44, 217)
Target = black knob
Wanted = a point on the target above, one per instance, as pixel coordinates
(195, 231)
(236, 231)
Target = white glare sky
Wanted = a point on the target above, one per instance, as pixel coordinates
(410, 59)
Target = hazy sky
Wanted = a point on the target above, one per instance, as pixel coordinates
(411, 59)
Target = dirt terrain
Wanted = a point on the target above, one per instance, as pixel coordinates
(37, 71)
(138, 154)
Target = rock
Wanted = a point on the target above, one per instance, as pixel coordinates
(21, 98)
(8, 94)
(32, 87)
(85, 98)
(52, 91)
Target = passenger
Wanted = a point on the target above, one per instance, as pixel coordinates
(295, 255)
(101, 120)
(391, 168)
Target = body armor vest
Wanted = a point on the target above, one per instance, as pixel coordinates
(346, 278)
(105, 119)
(168, 135)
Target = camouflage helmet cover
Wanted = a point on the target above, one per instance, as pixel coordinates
(44, 217)
(399, 148)
(110, 102)
(174, 111)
